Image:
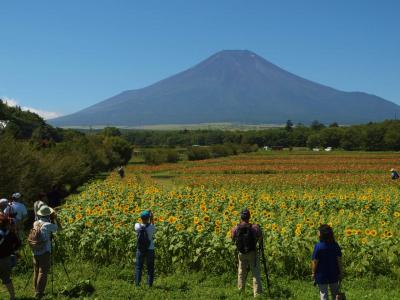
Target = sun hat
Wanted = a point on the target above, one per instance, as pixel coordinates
(3, 201)
(392, 170)
(45, 211)
(16, 195)
(145, 214)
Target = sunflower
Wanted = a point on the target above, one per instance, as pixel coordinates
(348, 232)
(172, 219)
(206, 219)
(199, 228)
(196, 220)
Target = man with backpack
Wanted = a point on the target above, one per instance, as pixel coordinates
(246, 235)
(39, 240)
(145, 247)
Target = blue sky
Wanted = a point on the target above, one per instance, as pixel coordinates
(62, 56)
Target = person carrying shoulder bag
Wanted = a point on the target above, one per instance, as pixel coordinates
(39, 240)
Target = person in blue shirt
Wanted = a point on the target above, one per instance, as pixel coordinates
(327, 268)
(145, 254)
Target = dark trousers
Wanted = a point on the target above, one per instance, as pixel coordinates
(147, 256)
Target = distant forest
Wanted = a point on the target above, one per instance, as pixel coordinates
(369, 137)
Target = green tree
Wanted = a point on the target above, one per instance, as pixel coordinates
(316, 125)
(289, 125)
(313, 140)
(111, 131)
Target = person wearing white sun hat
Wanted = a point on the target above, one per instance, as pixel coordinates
(47, 224)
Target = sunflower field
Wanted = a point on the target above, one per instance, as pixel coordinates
(196, 204)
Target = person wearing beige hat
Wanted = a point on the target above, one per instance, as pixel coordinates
(47, 224)
(394, 174)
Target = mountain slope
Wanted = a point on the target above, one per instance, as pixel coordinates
(233, 86)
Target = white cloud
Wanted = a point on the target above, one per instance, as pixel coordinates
(43, 113)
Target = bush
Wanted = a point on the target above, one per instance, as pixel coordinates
(247, 148)
(198, 153)
(154, 157)
(172, 156)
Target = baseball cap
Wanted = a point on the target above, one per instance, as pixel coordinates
(145, 214)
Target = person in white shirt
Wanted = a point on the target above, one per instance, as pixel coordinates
(3, 204)
(145, 247)
(16, 210)
(47, 224)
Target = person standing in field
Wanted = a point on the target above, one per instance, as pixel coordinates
(9, 243)
(121, 172)
(246, 236)
(3, 204)
(326, 264)
(393, 174)
(40, 241)
(145, 247)
(16, 209)
(17, 212)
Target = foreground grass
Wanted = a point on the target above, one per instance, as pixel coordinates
(117, 283)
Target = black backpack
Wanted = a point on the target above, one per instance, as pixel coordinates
(143, 241)
(245, 238)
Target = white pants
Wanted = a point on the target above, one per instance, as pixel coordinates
(323, 290)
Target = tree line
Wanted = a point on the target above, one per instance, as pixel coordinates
(38, 158)
(370, 137)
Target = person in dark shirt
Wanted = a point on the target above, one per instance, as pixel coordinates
(327, 263)
(121, 172)
(393, 174)
(248, 257)
(9, 243)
